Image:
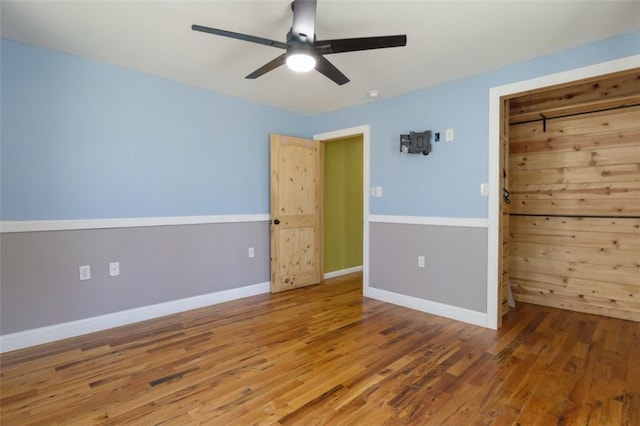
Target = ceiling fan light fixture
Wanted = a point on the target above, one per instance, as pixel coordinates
(301, 61)
(303, 51)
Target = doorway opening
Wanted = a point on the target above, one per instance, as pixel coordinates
(359, 137)
(343, 212)
(498, 128)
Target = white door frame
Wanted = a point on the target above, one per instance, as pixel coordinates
(495, 192)
(345, 133)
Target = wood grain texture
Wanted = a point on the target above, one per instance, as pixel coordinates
(324, 355)
(296, 212)
(565, 182)
(585, 264)
(594, 94)
(587, 165)
(503, 230)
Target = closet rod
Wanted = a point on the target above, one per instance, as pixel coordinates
(544, 118)
(586, 216)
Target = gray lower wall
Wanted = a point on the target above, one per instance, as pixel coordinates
(40, 285)
(456, 263)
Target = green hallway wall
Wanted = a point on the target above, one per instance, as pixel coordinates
(343, 216)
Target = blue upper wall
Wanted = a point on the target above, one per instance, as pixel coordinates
(446, 183)
(83, 140)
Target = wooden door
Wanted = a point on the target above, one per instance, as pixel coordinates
(296, 212)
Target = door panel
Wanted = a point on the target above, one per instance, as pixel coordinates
(296, 212)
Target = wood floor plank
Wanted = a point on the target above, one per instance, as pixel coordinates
(325, 355)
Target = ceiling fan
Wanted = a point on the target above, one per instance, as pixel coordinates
(303, 51)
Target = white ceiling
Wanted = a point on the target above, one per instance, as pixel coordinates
(447, 40)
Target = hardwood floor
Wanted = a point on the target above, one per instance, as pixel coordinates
(325, 355)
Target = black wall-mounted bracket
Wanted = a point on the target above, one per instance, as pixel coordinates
(416, 143)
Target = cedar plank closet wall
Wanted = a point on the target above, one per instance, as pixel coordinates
(574, 182)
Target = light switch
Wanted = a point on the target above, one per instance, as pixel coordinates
(448, 135)
(378, 191)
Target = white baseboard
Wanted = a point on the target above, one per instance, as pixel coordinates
(37, 336)
(342, 272)
(428, 306)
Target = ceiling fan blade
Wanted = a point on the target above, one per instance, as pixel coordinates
(269, 66)
(363, 43)
(239, 36)
(304, 20)
(330, 71)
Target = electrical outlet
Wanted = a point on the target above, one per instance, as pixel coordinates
(114, 269)
(378, 191)
(420, 261)
(252, 253)
(84, 272)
